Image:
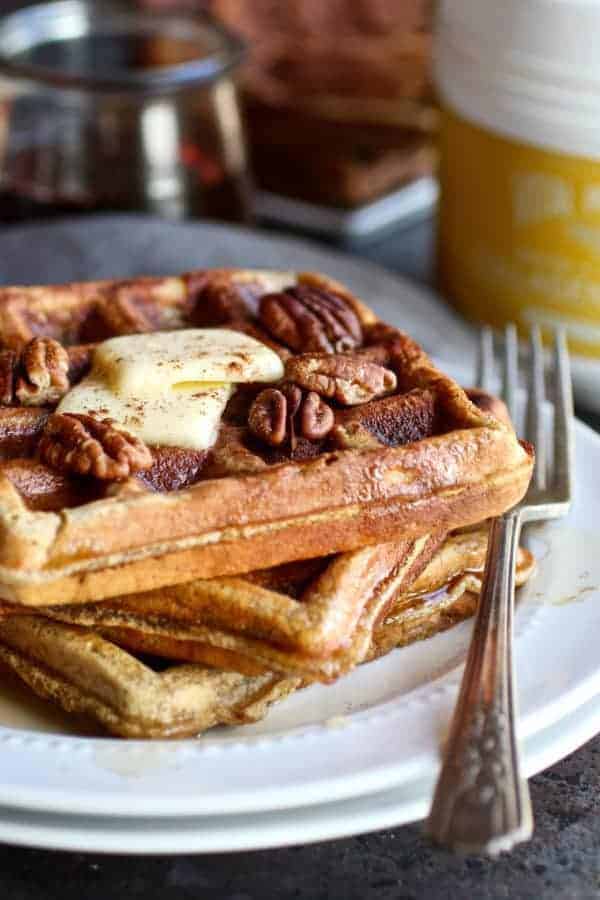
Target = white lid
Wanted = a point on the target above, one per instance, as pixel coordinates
(529, 69)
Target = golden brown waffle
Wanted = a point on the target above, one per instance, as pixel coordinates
(424, 459)
(86, 674)
(87, 670)
(278, 620)
(275, 620)
(445, 593)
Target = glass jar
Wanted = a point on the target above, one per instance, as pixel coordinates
(105, 107)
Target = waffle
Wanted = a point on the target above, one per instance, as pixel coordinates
(318, 627)
(105, 671)
(86, 674)
(274, 620)
(421, 461)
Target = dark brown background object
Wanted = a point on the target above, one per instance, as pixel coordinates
(337, 94)
(338, 98)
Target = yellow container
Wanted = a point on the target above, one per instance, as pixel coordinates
(519, 215)
(519, 233)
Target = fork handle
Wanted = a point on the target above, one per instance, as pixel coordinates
(481, 804)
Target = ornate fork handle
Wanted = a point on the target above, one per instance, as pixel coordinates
(481, 803)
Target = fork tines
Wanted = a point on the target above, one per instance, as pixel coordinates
(552, 481)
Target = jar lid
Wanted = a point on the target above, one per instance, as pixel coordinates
(528, 69)
(546, 39)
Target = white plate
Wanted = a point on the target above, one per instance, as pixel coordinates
(380, 727)
(215, 834)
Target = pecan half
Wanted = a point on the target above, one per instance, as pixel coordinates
(42, 372)
(489, 403)
(89, 446)
(316, 418)
(311, 319)
(45, 372)
(349, 380)
(125, 308)
(221, 300)
(288, 413)
(268, 417)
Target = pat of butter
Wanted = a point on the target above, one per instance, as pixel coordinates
(170, 388)
(187, 415)
(148, 364)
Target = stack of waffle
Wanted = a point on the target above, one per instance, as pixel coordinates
(341, 512)
(338, 95)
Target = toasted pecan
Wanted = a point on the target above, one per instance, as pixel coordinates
(489, 404)
(90, 446)
(41, 373)
(268, 417)
(316, 417)
(308, 318)
(218, 300)
(348, 379)
(44, 377)
(284, 414)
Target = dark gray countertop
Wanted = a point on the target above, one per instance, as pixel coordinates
(562, 862)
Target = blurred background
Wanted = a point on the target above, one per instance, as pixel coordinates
(336, 101)
(348, 120)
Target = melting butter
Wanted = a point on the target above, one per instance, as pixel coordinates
(170, 388)
(183, 416)
(148, 364)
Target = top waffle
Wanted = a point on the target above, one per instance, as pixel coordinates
(362, 439)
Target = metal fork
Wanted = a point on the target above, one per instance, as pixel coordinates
(481, 803)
